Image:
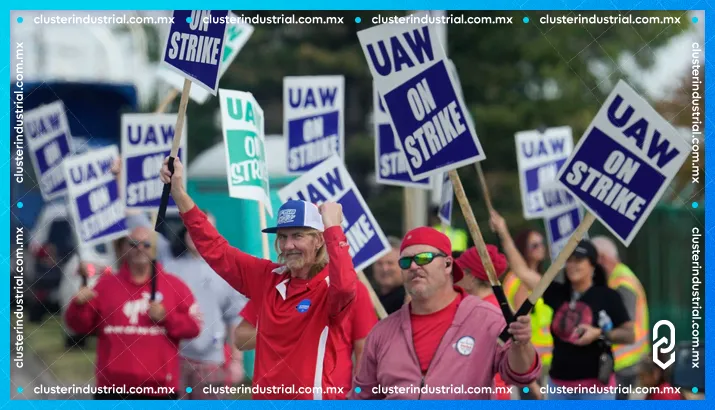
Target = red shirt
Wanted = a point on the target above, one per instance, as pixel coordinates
(428, 330)
(363, 318)
(132, 350)
(297, 318)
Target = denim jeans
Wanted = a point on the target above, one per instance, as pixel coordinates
(552, 394)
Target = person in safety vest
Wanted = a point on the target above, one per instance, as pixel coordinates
(458, 237)
(621, 279)
(529, 245)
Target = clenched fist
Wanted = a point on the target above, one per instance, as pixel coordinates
(157, 313)
(176, 179)
(332, 213)
(84, 295)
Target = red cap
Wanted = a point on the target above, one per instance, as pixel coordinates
(429, 236)
(471, 260)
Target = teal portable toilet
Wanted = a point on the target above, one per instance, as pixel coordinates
(237, 219)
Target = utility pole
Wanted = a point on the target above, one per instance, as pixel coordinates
(417, 201)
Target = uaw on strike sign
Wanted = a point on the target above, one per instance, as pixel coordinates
(313, 120)
(48, 137)
(391, 163)
(95, 205)
(539, 158)
(409, 67)
(562, 215)
(146, 142)
(330, 181)
(195, 46)
(244, 140)
(624, 162)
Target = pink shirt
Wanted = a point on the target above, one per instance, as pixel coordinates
(468, 355)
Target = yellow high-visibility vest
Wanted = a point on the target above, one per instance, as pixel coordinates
(458, 237)
(541, 317)
(629, 355)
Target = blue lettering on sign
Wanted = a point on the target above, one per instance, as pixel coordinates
(303, 306)
(636, 127)
(392, 164)
(150, 135)
(430, 122)
(328, 186)
(539, 176)
(311, 140)
(563, 225)
(362, 236)
(100, 211)
(92, 170)
(419, 43)
(143, 186)
(50, 154)
(194, 48)
(617, 185)
(539, 148)
(305, 98)
(43, 125)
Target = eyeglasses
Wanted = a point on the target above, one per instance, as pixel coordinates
(135, 244)
(420, 259)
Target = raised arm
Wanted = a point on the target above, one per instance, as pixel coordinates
(342, 287)
(242, 271)
(518, 265)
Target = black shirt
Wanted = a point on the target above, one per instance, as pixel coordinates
(572, 362)
(393, 300)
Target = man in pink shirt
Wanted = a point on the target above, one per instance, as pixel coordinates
(443, 344)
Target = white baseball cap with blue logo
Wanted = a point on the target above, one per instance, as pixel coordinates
(297, 214)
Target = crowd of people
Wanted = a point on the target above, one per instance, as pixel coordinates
(312, 324)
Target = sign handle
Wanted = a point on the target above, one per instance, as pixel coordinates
(178, 130)
(167, 100)
(264, 225)
(480, 245)
(485, 189)
(553, 270)
(153, 252)
(381, 312)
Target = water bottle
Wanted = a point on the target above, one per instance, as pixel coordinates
(604, 321)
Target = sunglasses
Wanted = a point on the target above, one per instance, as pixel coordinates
(420, 259)
(135, 244)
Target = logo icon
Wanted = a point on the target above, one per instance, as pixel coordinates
(669, 340)
(303, 306)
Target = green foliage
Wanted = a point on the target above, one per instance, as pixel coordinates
(515, 77)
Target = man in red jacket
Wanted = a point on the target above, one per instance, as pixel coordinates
(302, 303)
(362, 319)
(137, 339)
(443, 344)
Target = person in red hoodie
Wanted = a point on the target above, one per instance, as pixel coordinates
(476, 283)
(303, 303)
(137, 339)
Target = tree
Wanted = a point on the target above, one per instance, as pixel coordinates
(515, 77)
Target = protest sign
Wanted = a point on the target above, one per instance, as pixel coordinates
(390, 162)
(96, 208)
(49, 139)
(195, 46)
(447, 202)
(242, 123)
(624, 162)
(539, 157)
(560, 226)
(409, 66)
(146, 142)
(237, 34)
(313, 120)
(330, 181)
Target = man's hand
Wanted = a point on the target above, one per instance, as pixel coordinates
(520, 330)
(157, 313)
(332, 213)
(176, 179)
(84, 295)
